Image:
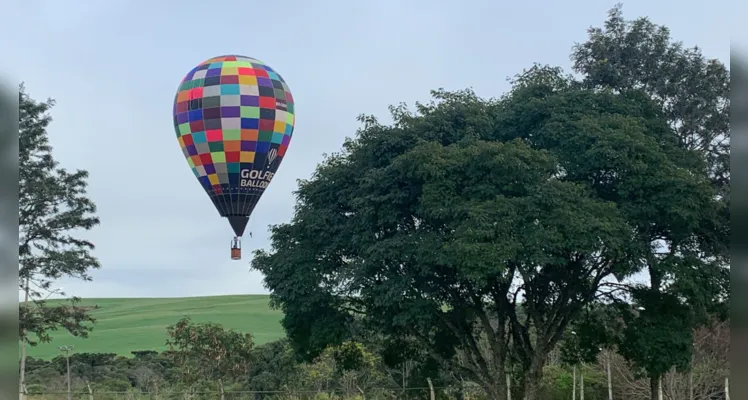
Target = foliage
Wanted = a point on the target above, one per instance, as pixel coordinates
(423, 226)
(208, 351)
(52, 207)
(340, 371)
(688, 260)
(660, 337)
(693, 92)
(274, 366)
(557, 383)
(597, 328)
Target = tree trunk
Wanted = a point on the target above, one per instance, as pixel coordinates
(532, 380)
(581, 384)
(494, 386)
(653, 387)
(220, 387)
(22, 380)
(496, 390)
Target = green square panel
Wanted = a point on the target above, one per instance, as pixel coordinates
(215, 146)
(232, 134)
(265, 136)
(250, 112)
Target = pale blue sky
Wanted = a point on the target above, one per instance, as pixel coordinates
(113, 67)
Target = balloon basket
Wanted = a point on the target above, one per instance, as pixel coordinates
(236, 250)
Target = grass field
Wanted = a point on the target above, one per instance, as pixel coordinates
(124, 325)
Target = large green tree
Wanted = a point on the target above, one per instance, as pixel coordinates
(442, 226)
(688, 265)
(53, 210)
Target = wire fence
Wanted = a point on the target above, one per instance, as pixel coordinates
(441, 393)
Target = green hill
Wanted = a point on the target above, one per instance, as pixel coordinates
(124, 325)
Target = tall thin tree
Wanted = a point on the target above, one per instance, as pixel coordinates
(53, 209)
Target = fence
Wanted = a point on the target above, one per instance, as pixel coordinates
(438, 393)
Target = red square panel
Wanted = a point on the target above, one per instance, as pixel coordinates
(232, 156)
(267, 102)
(267, 125)
(261, 72)
(246, 71)
(196, 93)
(206, 159)
(197, 126)
(214, 135)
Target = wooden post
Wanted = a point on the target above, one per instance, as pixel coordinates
(659, 388)
(690, 384)
(727, 388)
(508, 387)
(90, 392)
(574, 383)
(610, 379)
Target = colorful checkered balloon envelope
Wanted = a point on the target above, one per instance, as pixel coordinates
(234, 118)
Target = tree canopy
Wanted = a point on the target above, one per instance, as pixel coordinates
(688, 265)
(206, 352)
(443, 226)
(53, 210)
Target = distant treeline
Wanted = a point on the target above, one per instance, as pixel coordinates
(347, 371)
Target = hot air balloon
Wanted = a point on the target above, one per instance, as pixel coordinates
(234, 118)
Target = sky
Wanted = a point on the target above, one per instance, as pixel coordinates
(113, 68)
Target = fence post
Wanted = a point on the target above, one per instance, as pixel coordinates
(574, 383)
(727, 388)
(431, 389)
(508, 387)
(90, 392)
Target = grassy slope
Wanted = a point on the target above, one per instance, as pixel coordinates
(124, 325)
